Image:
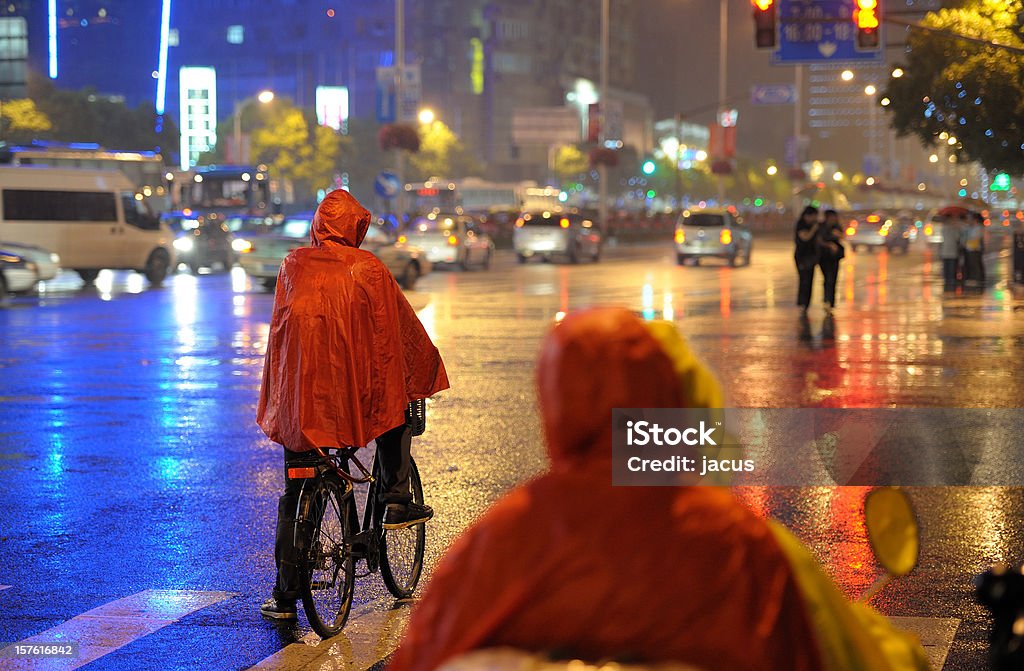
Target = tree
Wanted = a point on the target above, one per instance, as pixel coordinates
(85, 116)
(441, 154)
(570, 163)
(961, 89)
(296, 148)
(21, 121)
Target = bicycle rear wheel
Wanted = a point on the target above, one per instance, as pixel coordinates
(327, 570)
(402, 557)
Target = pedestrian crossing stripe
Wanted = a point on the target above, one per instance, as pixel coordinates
(113, 625)
(371, 634)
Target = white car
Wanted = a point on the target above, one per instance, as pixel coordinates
(47, 262)
(17, 274)
(451, 239)
(262, 253)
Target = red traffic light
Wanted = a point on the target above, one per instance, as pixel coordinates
(764, 23)
(865, 16)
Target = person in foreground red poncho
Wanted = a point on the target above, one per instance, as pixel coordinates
(345, 356)
(570, 563)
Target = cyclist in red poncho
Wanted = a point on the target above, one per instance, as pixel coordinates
(345, 356)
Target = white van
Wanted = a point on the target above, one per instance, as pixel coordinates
(89, 217)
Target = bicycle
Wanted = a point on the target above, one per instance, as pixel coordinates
(330, 539)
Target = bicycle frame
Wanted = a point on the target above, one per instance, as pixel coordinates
(365, 536)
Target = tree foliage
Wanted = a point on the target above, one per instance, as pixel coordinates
(85, 116)
(969, 91)
(441, 154)
(570, 162)
(296, 148)
(21, 121)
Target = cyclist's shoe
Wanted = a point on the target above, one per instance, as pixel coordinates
(279, 609)
(400, 516)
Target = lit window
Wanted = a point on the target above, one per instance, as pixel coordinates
(236, 34)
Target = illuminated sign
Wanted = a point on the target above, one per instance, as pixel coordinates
(332, 107)
(476, 71)
(161, 68)
(198, 96)
(53, 38)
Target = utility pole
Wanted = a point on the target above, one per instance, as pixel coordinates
(399, 80)
(723, 58)
(602, 169)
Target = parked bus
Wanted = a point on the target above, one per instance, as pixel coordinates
(145, 169)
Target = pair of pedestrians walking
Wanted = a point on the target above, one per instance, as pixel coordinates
(819, 244)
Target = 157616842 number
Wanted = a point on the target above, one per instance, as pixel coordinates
(39, 650)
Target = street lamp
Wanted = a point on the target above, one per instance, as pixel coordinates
(847, 75)
(897, 73)
(427, 116)
(263, 97)
(870, 90)
(772, 170)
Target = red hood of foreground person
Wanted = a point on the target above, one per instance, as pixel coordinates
(346, 352)
(570, 563)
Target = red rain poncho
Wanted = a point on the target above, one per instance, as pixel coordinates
(568, 562)
(346, 352)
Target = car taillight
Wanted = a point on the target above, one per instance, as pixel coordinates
(850, 230)
(680, 236)
(452, 240)
(928, 230)
(726, 237)
(563, 222)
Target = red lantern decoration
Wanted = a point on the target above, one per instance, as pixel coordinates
(399, 136)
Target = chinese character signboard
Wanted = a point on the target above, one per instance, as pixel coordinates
(819, 31)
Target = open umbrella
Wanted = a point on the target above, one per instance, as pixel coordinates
(954, 211)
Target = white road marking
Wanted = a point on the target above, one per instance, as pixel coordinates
(3, 587)
(371, 634)
(114, 625)
(936, 634)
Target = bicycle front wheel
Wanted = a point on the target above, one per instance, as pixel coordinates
(327, 570)
(402, 559)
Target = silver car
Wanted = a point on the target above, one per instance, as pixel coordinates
(47, 263)
(452, 239)
(712, 233)
(545, 234)
(261, 254)
(17, 274)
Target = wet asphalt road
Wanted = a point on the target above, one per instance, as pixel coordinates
(130, 460)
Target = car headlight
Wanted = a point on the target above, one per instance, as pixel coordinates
(241, 245)
(184, 244)
(55, 258)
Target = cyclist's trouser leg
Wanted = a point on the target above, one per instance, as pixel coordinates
(285, 555)
(393, 451)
